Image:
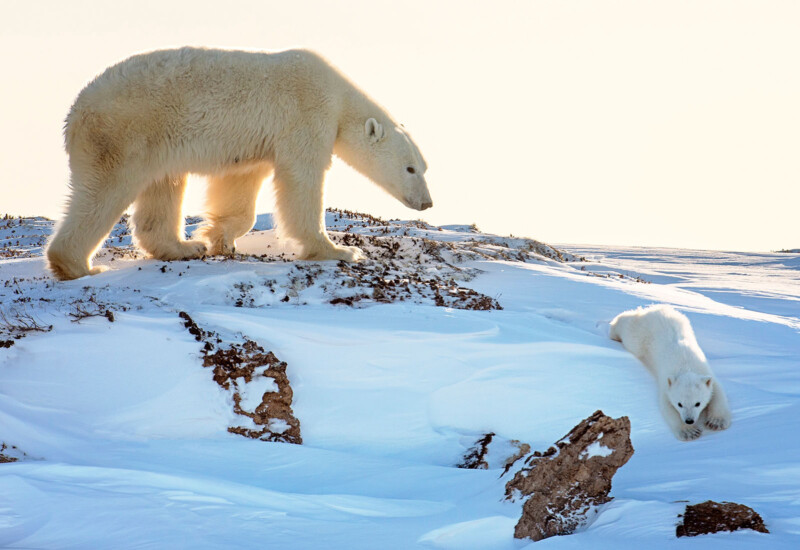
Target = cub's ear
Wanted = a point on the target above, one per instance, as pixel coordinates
(669, 382)
(374, 130)
(707, 381)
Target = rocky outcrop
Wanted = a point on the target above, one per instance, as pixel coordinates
(713, 517)
(563, 486)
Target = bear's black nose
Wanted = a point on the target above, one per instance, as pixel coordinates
(689, 421)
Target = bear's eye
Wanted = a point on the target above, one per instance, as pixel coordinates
(697, 404)
(680, 405)
(411, 170)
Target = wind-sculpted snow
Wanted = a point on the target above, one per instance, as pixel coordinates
(116, 436)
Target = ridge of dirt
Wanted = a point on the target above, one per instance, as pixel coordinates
(237, 368)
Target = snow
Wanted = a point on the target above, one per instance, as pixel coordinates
(252, 393)
(125, 439)
(596, 449)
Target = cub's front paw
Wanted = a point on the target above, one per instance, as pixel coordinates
(718, 423)
(689, 434)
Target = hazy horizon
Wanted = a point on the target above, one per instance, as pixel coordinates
(631, 123)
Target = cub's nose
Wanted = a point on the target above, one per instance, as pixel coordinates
(689, 421)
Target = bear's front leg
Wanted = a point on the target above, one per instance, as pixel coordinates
(718, 413)
(301, 215)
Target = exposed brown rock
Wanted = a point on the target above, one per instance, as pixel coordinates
(563, 485)
(10, 453)
(238, 365)
(491, 451)
(475, 457)
(713, 517)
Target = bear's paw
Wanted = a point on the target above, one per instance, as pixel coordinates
(718, 423)
(342, 253)
(690, 434)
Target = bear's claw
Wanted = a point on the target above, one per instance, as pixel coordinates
(689, 434)
(718, 424)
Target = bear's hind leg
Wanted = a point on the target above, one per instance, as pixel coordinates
(301, 216)
(231, 208)
(158, 221)
(92, 211)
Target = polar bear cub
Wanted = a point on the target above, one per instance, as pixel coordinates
(690, 397)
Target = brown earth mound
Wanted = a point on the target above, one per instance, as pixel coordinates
(713, 517)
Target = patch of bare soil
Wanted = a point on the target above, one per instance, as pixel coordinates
(475, 457)
(10, 453)
(491, 451)
(387, 282)
(237, 368)
(713, 517)
(563, 486)
(23, 237)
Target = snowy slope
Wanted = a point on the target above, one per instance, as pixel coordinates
(124, 433)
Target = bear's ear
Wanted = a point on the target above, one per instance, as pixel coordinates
(374, 130)
(669, 382)
(707, 381)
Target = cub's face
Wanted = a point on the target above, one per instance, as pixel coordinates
(395, 163)
(689, 393)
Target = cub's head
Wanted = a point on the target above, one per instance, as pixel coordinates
(384, 152)
(689, 393)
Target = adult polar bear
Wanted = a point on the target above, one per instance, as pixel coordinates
(138, 129)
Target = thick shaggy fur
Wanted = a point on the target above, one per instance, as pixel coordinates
(689, 395)
(139, 128)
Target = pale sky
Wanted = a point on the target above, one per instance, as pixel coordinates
(628, 122)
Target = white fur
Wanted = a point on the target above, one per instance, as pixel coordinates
(689, 395)
(138, 129)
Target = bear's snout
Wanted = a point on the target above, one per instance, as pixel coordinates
(689, 421)
(426, 205)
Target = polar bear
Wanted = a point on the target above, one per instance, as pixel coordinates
(663, 339)
(138, 129)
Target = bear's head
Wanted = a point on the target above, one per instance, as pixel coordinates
(689, 394)
(384, 152)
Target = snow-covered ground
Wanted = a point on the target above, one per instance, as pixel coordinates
(122, 433)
